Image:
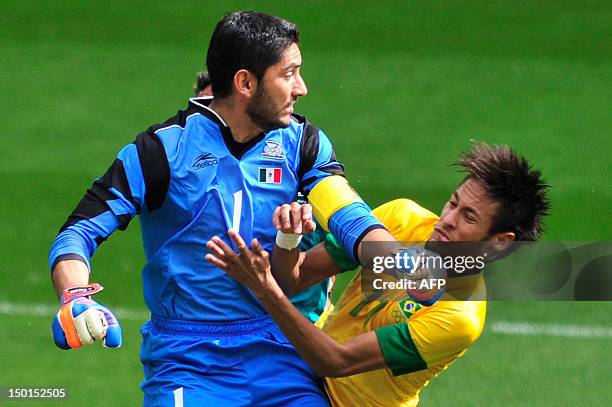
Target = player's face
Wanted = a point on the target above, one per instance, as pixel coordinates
(467, 216)
(278, 91)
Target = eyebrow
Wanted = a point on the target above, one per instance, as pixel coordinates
(290, 66)
(470, 209)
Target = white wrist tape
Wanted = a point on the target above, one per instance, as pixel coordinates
(287, 241)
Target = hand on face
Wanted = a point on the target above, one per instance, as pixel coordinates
(249, 267)
(294, 218)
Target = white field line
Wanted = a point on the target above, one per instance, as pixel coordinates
(48, 310)
(563, 330)
(497, 327)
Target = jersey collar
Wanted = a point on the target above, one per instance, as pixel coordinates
(235, 148)
(203, 103)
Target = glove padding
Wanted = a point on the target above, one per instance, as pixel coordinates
(82, 320)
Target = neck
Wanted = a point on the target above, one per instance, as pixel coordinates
(237, 118)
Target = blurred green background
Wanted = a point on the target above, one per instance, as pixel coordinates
(400, 87)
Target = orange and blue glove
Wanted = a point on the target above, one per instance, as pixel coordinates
(83, 321)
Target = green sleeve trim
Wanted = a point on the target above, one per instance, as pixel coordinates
(400, 353)
(336, 252)
(311, 240)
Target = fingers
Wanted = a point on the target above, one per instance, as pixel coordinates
(213, 247)
(90, 325)
(223, 248)
(235, 236)
(258, 249)
(244, 252)
(276, 218)
(220, 252)
(113, 337)
(261, 260)
(285, 215)
(96, 324)
(309, 224)
(225, 258)
(216, 261)
(296, 218)
(290, 218)
(293, 218)
(306, 212)
(309, 227)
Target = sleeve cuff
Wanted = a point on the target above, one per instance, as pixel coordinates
(400, 353)
(68, 256)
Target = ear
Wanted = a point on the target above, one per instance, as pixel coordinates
(501, 241)
(245, 83)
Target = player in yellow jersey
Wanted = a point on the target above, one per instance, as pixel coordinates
(380, 352)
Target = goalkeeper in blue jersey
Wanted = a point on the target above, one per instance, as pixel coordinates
(224, 162)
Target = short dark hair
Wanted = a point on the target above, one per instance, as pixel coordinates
(202, 81)
(510, 180)
(246, 40)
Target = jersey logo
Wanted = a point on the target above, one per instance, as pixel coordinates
(204, 160)
(407, 308)
(273, 150)
(270, 175)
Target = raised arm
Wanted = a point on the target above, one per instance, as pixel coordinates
(294, 270)
(291, 222)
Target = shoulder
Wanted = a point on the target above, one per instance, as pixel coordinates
(155, 147)
(406, 220)
(463, 321)
(183, 120)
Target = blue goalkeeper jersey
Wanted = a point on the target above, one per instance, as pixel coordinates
(189, 180)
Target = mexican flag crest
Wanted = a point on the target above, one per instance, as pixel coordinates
(270, 175)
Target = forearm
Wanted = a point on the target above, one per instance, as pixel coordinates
(315, 266)
(285, 268)
(69, 273)
(324, 355)
(384, 243)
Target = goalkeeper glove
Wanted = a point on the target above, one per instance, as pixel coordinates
(82, 320)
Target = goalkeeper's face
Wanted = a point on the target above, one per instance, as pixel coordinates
(278, 91)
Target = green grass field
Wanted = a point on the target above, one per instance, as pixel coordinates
(399, 87)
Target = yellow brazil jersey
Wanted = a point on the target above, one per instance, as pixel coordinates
(417, 341)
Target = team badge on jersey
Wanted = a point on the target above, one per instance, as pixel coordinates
(273, 150)
(409, 307)
(270, 175)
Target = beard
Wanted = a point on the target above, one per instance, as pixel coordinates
(264, 111)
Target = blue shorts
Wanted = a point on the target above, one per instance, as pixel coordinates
(242, 363)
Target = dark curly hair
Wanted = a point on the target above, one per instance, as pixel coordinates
(510, 180)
